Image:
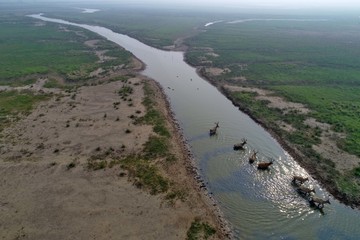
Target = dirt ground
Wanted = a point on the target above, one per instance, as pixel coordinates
(47, 191)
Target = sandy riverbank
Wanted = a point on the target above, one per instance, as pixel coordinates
(48, 192)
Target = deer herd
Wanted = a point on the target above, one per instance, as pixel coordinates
(297, 181)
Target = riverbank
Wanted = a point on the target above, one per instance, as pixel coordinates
(63, 178)
(327, 148)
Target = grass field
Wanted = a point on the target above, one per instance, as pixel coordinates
(336, 105)
(278, 52)
(29, 47)
(13, 103)
(155, 27)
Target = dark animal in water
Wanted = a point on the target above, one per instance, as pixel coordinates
(252, 158)
(304, 190)
(299, 179)
(240, 146)
(213, 130)
(318, 201)
(264, 165)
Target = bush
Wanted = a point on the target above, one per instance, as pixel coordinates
(199, 230)
(70, 165)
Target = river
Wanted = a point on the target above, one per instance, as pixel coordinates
(258, 204)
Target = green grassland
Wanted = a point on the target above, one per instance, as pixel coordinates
(278, 52)
(336, 105)
(157, 28)
(28, 48)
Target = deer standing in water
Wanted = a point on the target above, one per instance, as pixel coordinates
(304, 190)
(214, 129)
(252, 158)
(299, 180)
(264, 165)
(318, 201)
(240, 146)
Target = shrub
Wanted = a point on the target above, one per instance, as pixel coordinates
(70, 165)
(200, 230)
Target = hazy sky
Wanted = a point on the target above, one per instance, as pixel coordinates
(227, 3)
(264, 3)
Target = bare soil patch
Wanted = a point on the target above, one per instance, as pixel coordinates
(216, 71)
(47, 191)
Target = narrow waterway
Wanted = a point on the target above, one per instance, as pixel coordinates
(258, 204)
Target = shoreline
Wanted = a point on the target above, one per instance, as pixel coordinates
(293, 151)
(192, 170)
(297, 156)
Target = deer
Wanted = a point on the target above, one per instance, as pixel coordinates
(240, 146)
(264, 165)
(252, 158)
(299, 179)
(304, 190)
(318, 201)
(214, 129)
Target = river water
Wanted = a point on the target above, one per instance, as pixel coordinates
(258, 204)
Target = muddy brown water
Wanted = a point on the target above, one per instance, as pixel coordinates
(257, 204)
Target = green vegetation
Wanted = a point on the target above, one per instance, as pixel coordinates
(282, 52)
(199, 230)
(153, 116)
(157, 146)
(29, 48)
(125, 91)
(335, 105)
(96, 164)
(146, 174)
(14, 103)
(141, 167)
(176, 194)
(152, 26)
(304, 135)
(52, 83)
